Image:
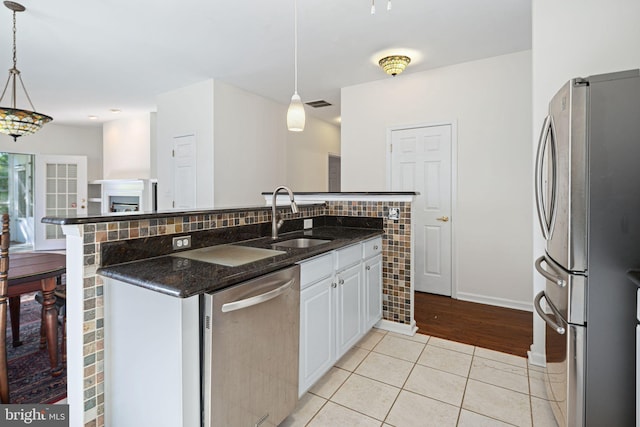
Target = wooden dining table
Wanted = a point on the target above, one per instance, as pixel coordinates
(30, 272)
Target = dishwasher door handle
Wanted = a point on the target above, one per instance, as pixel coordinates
(258, 299)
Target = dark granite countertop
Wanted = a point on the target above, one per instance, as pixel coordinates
(182, 277)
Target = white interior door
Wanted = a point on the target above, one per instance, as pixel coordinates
(61, 190)
(184, 172)
(421, 162)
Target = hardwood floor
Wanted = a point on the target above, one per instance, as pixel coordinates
(496, 328)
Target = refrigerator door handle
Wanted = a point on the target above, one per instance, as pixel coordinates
(547, 275)
(551, 322)
(547, 134)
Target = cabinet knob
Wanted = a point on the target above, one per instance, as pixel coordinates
(333, 285)
(375, 247)
(368, 267)
(341, 281)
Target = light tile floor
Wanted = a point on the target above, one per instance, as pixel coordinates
(396, 380)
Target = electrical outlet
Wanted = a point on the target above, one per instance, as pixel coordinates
(308, 223)
(181, 242)
(394, 214)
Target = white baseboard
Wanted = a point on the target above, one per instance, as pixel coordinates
(536, 358)
(500, 302)
(400, 328)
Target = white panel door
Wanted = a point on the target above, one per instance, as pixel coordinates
(421, 162)
(61, 190)
(184, 172)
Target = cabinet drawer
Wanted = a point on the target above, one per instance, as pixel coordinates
(372, 247)
(315, 269)
(348, 256)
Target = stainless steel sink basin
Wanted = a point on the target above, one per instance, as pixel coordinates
(301, 242)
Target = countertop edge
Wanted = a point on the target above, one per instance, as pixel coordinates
(248, 272)
(132, 216)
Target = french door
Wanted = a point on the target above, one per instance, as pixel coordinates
(60, 190)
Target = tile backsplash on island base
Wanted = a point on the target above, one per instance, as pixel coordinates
(396, 253)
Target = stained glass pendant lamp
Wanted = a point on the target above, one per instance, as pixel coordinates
(14, 121)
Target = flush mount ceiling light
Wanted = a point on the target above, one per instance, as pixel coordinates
(295, 113)
(394, 64)
(13, 121)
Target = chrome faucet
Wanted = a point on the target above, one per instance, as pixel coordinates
(275, 223)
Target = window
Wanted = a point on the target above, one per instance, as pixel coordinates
(16, 198)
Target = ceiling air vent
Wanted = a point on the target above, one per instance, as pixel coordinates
(318, 104)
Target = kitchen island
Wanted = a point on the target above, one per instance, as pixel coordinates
(87, 238)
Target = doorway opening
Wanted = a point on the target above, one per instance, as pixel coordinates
(334, 173)
(16, 198)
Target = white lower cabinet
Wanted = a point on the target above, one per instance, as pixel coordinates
(348, 296)
(340, 300)
(372, 291)
(317, 337)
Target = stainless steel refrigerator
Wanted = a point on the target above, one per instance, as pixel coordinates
(588, 198)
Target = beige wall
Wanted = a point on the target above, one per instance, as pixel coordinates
(127, 148)
(570, 39)
(308, 155)
(250, 146)
(243, 146)
(62, 140)
(186, 111)
(254, 151)
(489, 101)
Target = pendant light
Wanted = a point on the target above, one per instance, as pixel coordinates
(295, 114)
(13, 121)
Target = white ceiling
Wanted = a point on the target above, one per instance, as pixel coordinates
(81, 58)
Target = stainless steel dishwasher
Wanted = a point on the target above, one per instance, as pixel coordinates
(250, 351)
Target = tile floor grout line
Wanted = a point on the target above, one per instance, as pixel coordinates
(475, 353)
(466, 383)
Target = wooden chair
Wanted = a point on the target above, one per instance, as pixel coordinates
(4, 288)
(61, 306)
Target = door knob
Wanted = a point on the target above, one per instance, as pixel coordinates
(443, 218)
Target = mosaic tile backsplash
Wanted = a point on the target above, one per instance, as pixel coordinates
(396, 270)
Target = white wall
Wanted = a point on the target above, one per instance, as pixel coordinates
(490, 101)
(308, 155)
(576, 38)
(182, 112)
(62, 140)
(243, 145)
(126, 148)
(250, 146)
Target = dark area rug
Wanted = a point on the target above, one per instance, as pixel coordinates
(30, 380)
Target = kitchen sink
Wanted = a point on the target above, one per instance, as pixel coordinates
(300, 242)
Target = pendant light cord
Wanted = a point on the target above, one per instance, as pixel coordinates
(13, 72)
(295, 45)
(15, 57)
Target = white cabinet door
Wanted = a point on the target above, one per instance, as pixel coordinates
(316, 333)
(372, 291)
(349, 308)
